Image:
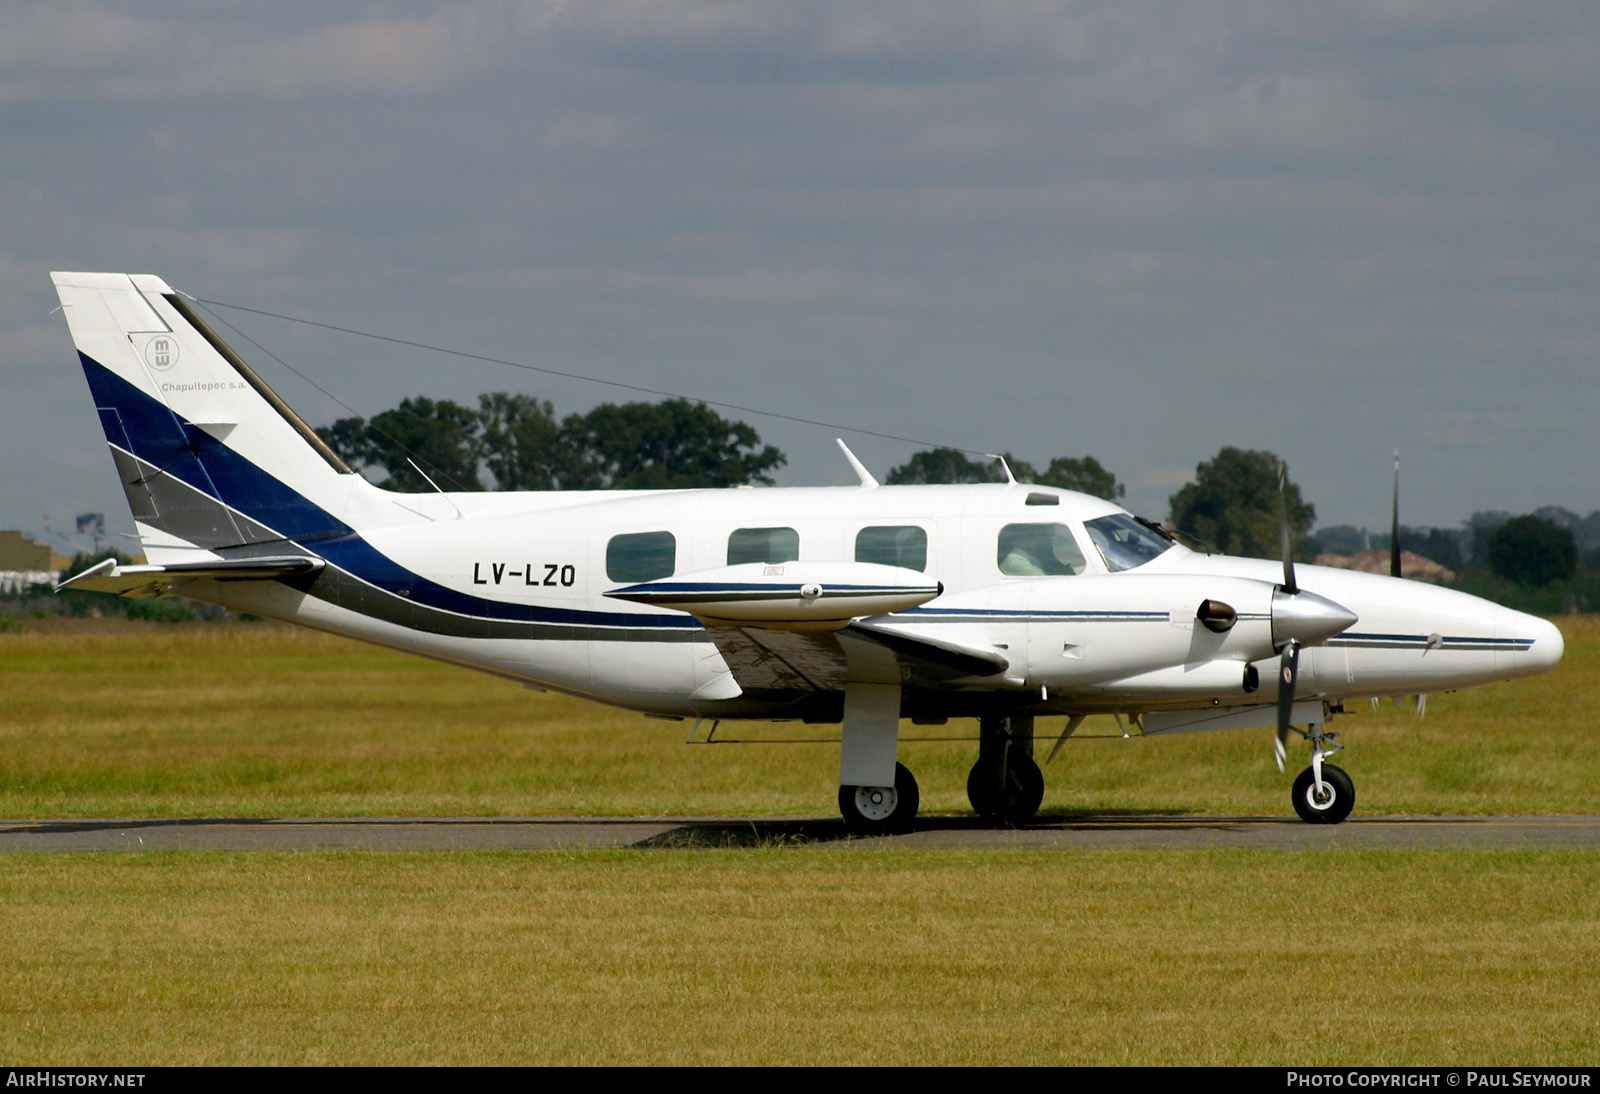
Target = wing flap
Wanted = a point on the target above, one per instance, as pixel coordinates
(772, 659)
(914, 649)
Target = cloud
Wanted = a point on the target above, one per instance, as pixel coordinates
(768, 287)
(752, 42)
(78, 51)
(1457, 428)
(585, 130)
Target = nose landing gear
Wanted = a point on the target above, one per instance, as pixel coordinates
(1323, 793)
(1328, 803)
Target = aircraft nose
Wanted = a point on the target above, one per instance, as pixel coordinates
(1547, 644)
(1307, 618)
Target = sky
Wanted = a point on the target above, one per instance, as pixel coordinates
(1138, 231)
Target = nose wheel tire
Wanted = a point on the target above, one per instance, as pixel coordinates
(881, 810)
(1016, 801)
(1329, 806)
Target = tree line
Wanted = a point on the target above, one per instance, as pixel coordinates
(516, 442)
(1534, 561)
(949, 465)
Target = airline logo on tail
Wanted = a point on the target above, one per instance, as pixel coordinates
(161, 352)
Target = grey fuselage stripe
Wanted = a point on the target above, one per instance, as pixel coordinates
(190, 514)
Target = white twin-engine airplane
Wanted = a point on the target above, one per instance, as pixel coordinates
(862, 605)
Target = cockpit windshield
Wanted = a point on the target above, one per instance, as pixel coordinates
(1125, 542)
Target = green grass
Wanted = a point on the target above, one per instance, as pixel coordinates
(249, 720)
(801, 956)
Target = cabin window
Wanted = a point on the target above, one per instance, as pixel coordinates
(893, 545)
(641, 556)
(1039, 550)
(763, 545)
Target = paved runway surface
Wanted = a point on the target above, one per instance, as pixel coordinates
(532, 833)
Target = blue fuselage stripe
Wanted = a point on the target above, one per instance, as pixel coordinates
(161, 438)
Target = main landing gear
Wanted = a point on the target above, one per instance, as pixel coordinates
(1323, 793)
(1005, 786)
(881, 810)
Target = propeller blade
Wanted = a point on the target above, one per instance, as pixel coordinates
(1288, 676)
(1289, 585)
(1394, 522)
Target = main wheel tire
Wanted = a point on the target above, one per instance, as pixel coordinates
(881, 810)
(1334, 805)
(1020, 798)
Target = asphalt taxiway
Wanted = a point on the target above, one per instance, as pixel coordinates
(543, 833)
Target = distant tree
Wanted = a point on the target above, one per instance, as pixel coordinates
(1479, 527)
(1233, 505)
(1442, 545)
(517, 439)
(524, 446)
(1587, 532)
(1346, 539)
(944, 465)
(1533, 551)
(949, 465)
(443, 438)
(1558, 515)
(666, 445)
(1084, 475)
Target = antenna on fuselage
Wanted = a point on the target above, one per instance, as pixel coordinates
(860, 468)
(459, 514)
(1006, 467)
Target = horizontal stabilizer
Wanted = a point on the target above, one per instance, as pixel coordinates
(144, 582)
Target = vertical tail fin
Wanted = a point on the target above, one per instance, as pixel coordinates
(209, 456)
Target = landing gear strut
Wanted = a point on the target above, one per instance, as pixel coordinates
(1005, 786)
(881, 810)
(1323, 793)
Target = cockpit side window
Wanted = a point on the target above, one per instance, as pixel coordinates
(1039, 550)
(1124, 542)
(641, 556)
(893, 545)
(763, 545)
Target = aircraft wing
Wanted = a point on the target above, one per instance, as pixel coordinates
(144, 582)
(765, 659)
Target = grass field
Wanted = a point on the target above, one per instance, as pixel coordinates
(834, 953)
(252, 720)
(801, 956)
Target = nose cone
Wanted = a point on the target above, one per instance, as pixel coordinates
(1535, 644)
(1307, 618)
